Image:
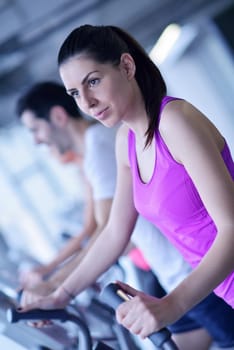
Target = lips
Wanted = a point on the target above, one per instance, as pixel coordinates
(100, 115)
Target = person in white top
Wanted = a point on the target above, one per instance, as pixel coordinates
(146, 236)
(54, 119)
(99, 160)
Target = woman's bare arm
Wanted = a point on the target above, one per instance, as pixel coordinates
(197, 145)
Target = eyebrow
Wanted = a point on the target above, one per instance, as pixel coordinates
(83, 81)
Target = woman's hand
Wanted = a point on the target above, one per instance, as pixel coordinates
(42, 297)
(33, 300)
(33, 294)
(144, 314)
(31, 278)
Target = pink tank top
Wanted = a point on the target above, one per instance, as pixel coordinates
(171, 202)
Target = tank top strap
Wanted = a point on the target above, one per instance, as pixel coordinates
(165, 100)
(131, 136)
(131, 147)
(162, 149)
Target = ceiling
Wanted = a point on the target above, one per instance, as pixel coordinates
(32, 31)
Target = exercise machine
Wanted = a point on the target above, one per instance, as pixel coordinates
(114, 296)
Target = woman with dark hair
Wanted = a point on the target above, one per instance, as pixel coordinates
(174, 168)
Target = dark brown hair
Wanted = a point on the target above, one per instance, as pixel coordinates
(41, 97)
(106, 44)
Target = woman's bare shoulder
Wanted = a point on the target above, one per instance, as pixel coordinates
(176, 109)
(181, 115)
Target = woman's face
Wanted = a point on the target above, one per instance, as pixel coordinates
(102, 91)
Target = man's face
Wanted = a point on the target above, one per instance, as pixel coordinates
(40, 128)
(47, 133)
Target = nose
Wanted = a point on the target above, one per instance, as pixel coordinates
(37, 139)
(87, 102)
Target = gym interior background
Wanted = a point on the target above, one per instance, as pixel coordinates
(41, 198)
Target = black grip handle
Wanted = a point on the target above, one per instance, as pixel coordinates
(36, 314)
(85, 340)
(110, 296)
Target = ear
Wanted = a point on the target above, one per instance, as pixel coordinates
(127, 63)
(58, 116)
